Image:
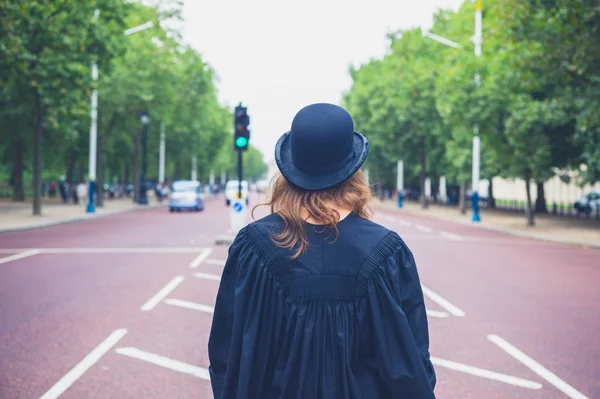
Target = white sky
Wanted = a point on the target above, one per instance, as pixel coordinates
(277, 56)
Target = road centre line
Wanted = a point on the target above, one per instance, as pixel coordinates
(437, 298)
(165, 362)
(190, 305)
(217, 262)
(200, 258)
(84, 365)
(435, 313)
(451, 236)
(537, 368)
(424, 229)
(160, 295)
(491, 375)
(208, 276)
(21, 255)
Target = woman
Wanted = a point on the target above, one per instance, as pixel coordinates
(316, 301)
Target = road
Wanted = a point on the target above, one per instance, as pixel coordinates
(120, 307)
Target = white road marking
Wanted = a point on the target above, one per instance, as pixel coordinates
(537, 368)
(479, 372)
(208, 276)
(165, 362)
(451, 236)
(20, 256)
(190, 305)
(84, 365)
(435, 313)
(424, 229)
(217, 262)
(453, 310)
(404, 223)
(160, 295)
(200, 258)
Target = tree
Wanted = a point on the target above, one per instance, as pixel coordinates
(46, 49)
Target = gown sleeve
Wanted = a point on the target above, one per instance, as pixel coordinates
(399, 337)
(222, 323)
(413, 306)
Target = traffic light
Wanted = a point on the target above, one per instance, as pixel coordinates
(242, 134)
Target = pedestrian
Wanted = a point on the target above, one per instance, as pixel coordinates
(82, 192)
(64, 190)
(52, 189)
(316, 300)
(73, 189)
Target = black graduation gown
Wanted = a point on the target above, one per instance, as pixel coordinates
(344, 320)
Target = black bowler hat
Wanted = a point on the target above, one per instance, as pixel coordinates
(322, 149)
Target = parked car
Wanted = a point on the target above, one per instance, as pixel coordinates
(186, 194)
(588, 203)
(231, 191)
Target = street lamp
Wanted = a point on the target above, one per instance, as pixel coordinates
(143, 197)
(91, 207)
(477, 40)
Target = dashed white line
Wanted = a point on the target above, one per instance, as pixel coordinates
(160, 295)
(404, 222)
(424, 229)
(165, 362)
(479, 372)
(537, 368)
(217, 262)
(200, 258)
(453, 310)
(20, 256)
(190, 305)
(208, 276)
(435, 313)
(84, 365)
(451, 236)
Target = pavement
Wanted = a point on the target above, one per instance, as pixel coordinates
(121, 307)
(559, 229)
(16, 216)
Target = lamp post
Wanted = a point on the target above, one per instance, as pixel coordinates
(400, 183)
(143, 197)
(161, 155)
(477, 40)
(91, 207)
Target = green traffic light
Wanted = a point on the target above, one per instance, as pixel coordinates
(241, 142)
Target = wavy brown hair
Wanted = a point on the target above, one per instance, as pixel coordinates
(289, 201)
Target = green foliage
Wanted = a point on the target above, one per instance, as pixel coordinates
(536, 108)
(46, 51)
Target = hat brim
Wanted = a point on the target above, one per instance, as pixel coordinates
(283, 158)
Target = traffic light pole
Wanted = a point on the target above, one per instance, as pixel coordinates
(240, 173)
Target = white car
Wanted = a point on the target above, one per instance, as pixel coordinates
(231, 191)
(186, 195)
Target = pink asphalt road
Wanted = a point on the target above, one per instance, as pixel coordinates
(120, 307)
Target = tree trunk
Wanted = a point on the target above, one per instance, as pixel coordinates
(177, 172)
(491, 199)
(37, 155)
(70, 172)
(540, 201)
(424, 199)
(528, 209)
(99, 173)
(126, 179)
(462, 204)
(17, 172)
(80, 171)
(136, 167)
